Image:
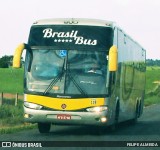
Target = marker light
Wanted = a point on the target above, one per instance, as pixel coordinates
(97, 109)
(103, 119)
(27, 115)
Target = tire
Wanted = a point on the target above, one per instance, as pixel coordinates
(137, 113)
(140, 109)
(44, 127)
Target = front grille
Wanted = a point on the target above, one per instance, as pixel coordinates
(52, 109)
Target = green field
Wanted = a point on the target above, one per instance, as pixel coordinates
(152, 75)
(152, 94)
(11, 80)
(11, 117)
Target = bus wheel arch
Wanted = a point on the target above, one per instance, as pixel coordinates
(116, 115)
(117, 109)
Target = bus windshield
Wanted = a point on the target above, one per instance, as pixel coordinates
(67, 72)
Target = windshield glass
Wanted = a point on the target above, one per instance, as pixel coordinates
(67, 72)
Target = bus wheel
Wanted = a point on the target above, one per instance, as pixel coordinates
(135, 119)
(44, 127)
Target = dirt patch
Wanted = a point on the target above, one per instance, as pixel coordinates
(12, 96)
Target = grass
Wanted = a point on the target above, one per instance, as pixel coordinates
(149, 100)
(11, 80)
(152, 91)
(152, 75)
(13, 129)
(8, 110)
(11, 117)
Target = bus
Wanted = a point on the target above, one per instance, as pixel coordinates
(81, 72)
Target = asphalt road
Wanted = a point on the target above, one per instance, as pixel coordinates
(146, 129)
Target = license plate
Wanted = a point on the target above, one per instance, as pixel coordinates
(64, 117)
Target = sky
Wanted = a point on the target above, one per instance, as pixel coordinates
(138, 18)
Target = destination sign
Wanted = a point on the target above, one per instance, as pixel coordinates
(73, 35)
(64, 36)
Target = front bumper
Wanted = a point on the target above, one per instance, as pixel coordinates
(66, 117)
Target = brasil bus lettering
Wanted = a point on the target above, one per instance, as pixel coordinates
(81, 40)
(49, 33)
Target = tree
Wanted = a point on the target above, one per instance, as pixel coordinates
(6, 61)
(151, 62)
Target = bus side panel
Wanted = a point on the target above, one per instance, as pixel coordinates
(130, 76)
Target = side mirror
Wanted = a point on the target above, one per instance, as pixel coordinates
(17, 55)
(113, 58)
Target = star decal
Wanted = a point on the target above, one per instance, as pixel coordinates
(63, 40)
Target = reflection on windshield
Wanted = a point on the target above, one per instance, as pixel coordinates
(68, 72)
(45, 65)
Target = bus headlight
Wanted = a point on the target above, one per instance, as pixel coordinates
(97, 109)
(32, 106)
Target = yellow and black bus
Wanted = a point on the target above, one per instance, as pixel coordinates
(81, 72)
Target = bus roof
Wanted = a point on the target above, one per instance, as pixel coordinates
(74, 21)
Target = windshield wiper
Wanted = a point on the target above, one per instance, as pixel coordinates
(55, 80)
(76, 84)
(59, 76)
